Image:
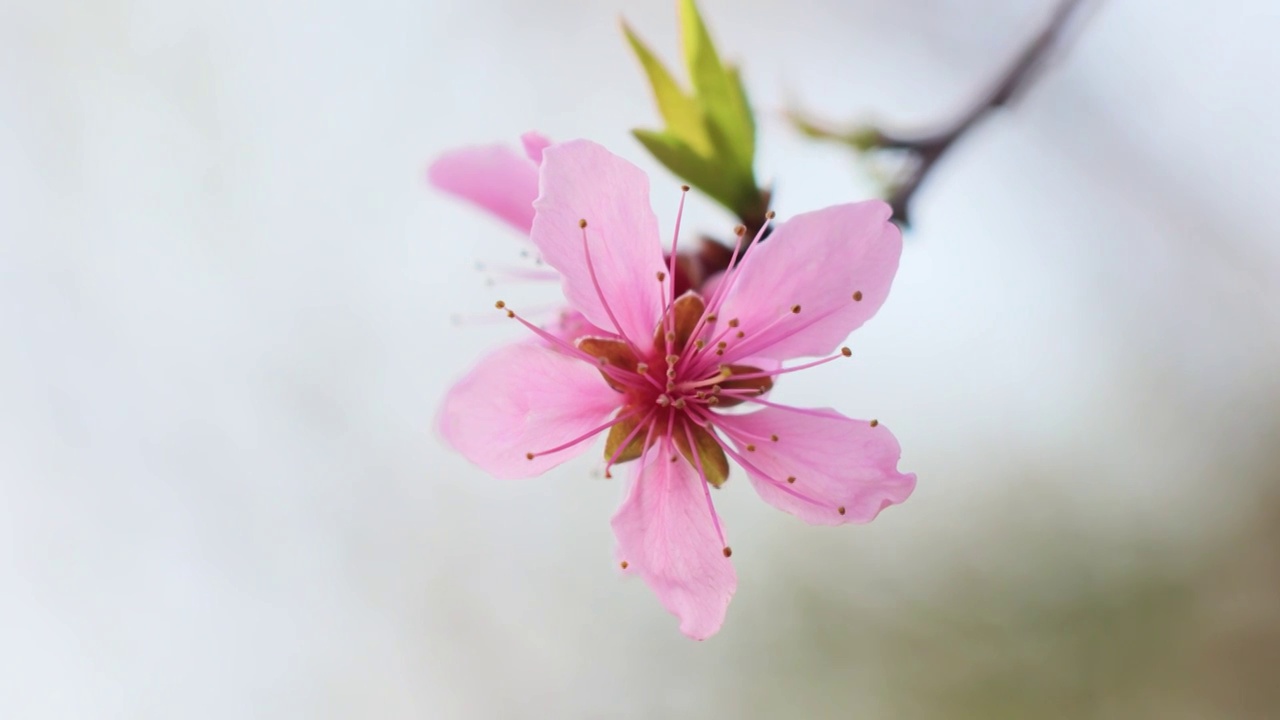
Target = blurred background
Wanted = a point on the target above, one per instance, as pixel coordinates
(231, 306)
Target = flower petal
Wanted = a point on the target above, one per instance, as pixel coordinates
(534, 143)
(581, 180)
(825, 468)
(667, 536)
(494, 177)
(524, 398)
(816, 279)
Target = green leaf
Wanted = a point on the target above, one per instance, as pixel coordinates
(718, 89)
(680, 111)
(710, 134)
(700, 172)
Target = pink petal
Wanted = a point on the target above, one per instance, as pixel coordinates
(581, 180)
(666, 536)
(523, 398)
(494, 177)
(837, 462)
(534, 143)
(570, 325)
(819, 261)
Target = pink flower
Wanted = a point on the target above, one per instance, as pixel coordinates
(658, 384)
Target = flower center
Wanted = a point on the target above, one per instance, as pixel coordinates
(669, 390)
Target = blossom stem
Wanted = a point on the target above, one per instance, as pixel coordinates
(925, 150)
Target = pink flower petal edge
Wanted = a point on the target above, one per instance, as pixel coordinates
(667, 536)
(835, 265)
(823, 467)
(494, 177)
(617, 288)
(525, 398)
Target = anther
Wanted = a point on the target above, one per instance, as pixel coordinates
(791, 479)
(698, 344)
(671, 337)
(671, 385)
(857, 296)
(511, 313)
(678, 404)
(663, 400)
(733, 322)
(795, 308)
(875, 423)
(722, 345)
(713, 400)
(528, 456)
(499, 304)
(728, 551)
(582, 223)
(661, 276)
(773, 438)
(623, 564)
(673, 359)
(770, 215)
(671, 373)
(846, 351)
(840, 509)
(684, 188)
(740, 230)
(642, 368)
(741, 334)
(711, 318)
(751, 448)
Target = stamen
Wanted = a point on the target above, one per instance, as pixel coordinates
(789, 408)
(784, 371)
(616, 374)
(755, 470)
(667, 314)
(706, 486)
(646, 423)
(586, 436)
(591, 269)
(711, 311)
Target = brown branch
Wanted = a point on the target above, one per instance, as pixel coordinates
(924, 151)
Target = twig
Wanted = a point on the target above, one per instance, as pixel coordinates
(924, 151)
